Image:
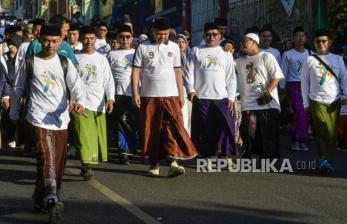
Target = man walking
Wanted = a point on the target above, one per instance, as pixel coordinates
(48, 78)
(161, 122)
(323, 81)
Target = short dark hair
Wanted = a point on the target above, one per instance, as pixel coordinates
(298, 29)
(322, 32)
(59, 20)
(266, 28)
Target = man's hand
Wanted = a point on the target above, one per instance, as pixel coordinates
(192, 97)
(5, 103)
(109, 106)
(230, 104)
(136, 101)
(307, 109)
(79, 109)
(72, 104)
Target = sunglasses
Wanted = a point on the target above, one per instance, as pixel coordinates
(321, 41)
(124, 37)
(211, 34)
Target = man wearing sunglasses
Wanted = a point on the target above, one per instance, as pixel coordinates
(124, 117)
(211, 87)
(323, 84)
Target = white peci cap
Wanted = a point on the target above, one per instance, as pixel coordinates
(253, 36)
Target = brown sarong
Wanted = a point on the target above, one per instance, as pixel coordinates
(162, 131)
(51, 156)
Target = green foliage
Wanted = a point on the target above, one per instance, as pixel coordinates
(338, 17)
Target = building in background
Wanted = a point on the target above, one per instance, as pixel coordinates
(202, 12)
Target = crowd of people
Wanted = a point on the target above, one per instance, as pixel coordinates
(155, 94)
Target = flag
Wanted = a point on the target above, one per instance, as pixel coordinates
(321, 20)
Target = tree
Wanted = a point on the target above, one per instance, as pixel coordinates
(338, 17)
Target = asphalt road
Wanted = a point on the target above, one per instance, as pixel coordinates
(124, 194)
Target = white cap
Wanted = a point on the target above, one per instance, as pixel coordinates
(253, 36)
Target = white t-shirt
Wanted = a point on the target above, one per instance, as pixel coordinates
(276, 53)
(77, 47)
(318, 84)
(102, 46)
(121, 65)
(96, 74)
(48, 105)
(157, 63)
(253, 71)
(292, 62)
(211, 73)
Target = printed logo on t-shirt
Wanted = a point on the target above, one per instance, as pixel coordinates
(49, 81)
(326, 75)
(169, 54)
(299, 64)
(211, 61)
(126, 64)
(89, 71)
(250, 73)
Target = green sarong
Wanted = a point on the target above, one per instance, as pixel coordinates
(324, 126)
(90, 136)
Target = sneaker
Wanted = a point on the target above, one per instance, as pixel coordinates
(295, 146)
(331, 167)
(86, 172)
(175, 170)
(323, 166)
(303, 147)
(124, 159)
(153, 171)
(12, 145)
(55, 211)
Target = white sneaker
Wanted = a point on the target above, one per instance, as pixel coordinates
(295, 146)
(303, 147)
(12, 144)
(175, 170)
(153, 171)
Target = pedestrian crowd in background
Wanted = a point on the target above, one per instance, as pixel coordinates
(157, 96)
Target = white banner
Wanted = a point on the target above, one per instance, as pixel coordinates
(288, 6)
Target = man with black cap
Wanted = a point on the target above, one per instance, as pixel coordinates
(124, 116)
(95, 71)
(161, 122)
(101, 44)
(64, 48)
(49, 79)
(323, 86)
(259, 75)
(73, 37)
(222, 25)
(211, 87)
